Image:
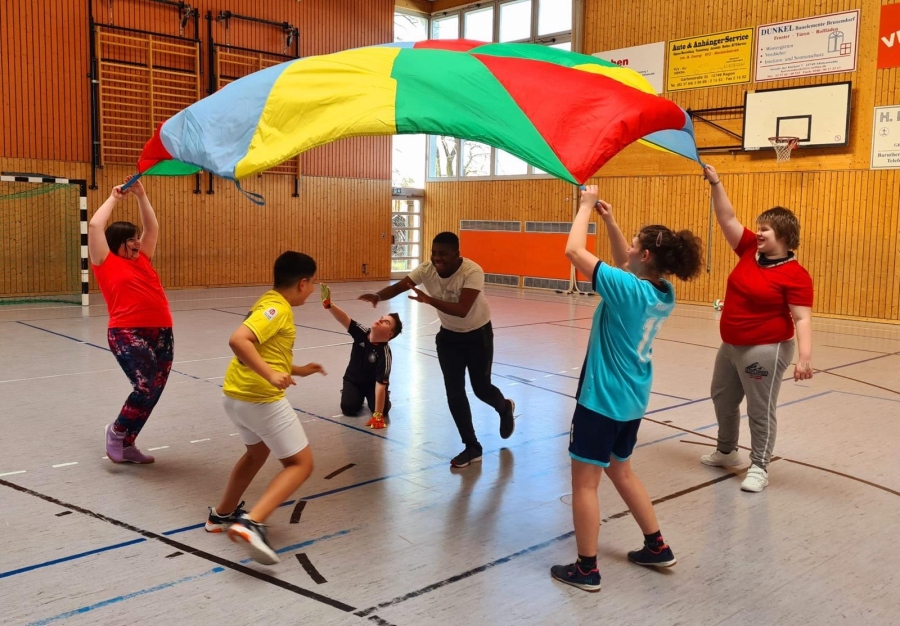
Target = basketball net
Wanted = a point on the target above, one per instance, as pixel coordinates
(783, 147)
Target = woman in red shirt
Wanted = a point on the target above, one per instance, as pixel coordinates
(140, 323)
(768, 294)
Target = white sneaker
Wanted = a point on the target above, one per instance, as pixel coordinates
(717, 459)
(756, 480)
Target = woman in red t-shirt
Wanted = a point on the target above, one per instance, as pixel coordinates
(768, 294)
(140, 323)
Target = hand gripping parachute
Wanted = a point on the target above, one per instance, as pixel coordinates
(562, 112)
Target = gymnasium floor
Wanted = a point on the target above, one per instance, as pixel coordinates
(388, 533)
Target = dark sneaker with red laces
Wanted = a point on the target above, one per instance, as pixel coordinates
(659, 556)
(572, 575)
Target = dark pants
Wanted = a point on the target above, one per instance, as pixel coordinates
(474, 351)
(145, 355)
(353, 394)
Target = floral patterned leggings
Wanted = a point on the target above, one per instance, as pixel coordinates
(145, 355)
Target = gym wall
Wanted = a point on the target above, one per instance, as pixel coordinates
(850, 227)
(205, 239)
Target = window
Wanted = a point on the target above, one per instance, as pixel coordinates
(476, 159)
(445, 27)
(554, 16)
(410, 27)
(480, 24)
(515, 20)
(547, 22)
(443, 153)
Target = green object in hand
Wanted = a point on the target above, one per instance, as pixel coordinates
(325, 292)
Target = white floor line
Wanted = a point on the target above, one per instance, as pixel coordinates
(64, 464)
(158, 448)
(338, 415)
(199, 440)
(12, 473)
(233, 434)
(18, 380)
(561, 372)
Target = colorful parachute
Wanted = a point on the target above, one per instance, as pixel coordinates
(562, 112)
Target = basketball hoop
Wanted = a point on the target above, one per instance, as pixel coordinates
(783, 147)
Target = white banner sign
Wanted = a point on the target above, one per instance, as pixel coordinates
(648, 61)
(886, 138)
(826, 44)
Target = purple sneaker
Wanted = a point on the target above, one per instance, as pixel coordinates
(130, 454)
(114, 444)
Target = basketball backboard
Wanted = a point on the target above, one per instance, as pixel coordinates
(818, 115)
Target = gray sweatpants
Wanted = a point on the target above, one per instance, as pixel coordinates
(754, 372)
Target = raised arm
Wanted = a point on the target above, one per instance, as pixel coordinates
(98, 249)
(576, 247)
(617, 240)
(725, 215)
(149, 223)
(389, 292)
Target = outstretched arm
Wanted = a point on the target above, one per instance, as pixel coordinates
(576, 247)
(467, 298)
(725, 215)
(389, 292)
(97, 246)
(339, 314)
(149, 223)
(336, 311)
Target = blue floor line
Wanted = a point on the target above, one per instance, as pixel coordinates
(72, 557)
(169, 585)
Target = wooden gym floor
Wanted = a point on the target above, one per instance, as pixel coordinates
(388, 533)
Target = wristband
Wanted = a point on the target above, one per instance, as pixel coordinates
(713, 184)
(377, 414)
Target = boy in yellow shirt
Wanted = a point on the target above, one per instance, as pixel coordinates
(254, 400)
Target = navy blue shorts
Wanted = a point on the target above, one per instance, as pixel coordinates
(595, 438)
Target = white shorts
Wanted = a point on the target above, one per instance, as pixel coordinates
(274, 423)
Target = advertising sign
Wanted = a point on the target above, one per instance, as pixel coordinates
(710, 60)
(648, 60)
(886, 138)
(889, 37)
(826, 44)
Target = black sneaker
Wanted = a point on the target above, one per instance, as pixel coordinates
(466, 457)
(572, 575)
(216, 523)
(508, 420)
(661, 556)
(254, 535)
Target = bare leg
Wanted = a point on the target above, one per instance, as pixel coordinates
(634, 494)
(586, 506)
(242, 475)
(297, 469)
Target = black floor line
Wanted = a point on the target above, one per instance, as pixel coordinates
(297, 512)
(339, 470)
(310, 568)
(243, 569)
(478, 570)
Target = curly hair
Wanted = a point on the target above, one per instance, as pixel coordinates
(673, 253)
